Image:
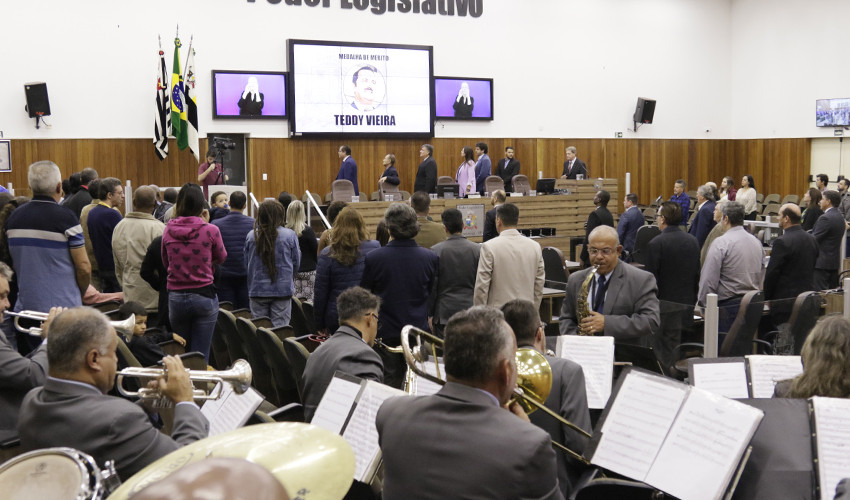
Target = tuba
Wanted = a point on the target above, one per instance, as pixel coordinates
(582, 310)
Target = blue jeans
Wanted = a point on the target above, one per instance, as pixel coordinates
(277, 309)
(193, 316)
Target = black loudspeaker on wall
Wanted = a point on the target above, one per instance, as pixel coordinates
(37, 102)
(644, 110)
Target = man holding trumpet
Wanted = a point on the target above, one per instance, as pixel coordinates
(73, 409)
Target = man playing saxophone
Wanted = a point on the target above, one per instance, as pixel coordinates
(619, 300)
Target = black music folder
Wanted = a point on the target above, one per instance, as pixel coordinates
(685, 441)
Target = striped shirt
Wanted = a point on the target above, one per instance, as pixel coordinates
(41, 234)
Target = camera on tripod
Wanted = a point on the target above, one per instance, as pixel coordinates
(222, 143)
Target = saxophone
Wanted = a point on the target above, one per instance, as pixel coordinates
(582, 311)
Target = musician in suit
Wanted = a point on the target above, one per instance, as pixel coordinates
(510, 266)
(573, 166)
(601, 216)
(73, 410)
(349, 350)
(568, 397)
(497, 199)
(673, 258)
(458, 266)
(461, 442)
(426, 174)
(507, 168)
(348, 169)
(18, 374)
(621, 299)
(828, 231)
(792, 264)
(703, 222)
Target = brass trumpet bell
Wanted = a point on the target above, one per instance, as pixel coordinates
(533, 376)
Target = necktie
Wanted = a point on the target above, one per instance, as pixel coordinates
(571, 168)
(599, 298)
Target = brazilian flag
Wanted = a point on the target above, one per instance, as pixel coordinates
(178, 106)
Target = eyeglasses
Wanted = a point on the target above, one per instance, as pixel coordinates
(376, 318)
(607, 251)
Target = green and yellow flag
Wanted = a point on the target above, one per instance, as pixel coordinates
(178, 108)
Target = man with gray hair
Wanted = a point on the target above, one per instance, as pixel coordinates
(466, 423)
(573, 167)
(703, 222)
(426, 174)
(401, 274)
(47, 247)
(349, 350)
(73, 409)
(130, 240)
(733, 266)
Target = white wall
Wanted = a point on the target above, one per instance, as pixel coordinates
(786, 54)
(831, 157)
(562, 68)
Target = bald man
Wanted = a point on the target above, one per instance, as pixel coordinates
(792, 263)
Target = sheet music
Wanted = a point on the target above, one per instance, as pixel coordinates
(596, 357)
(725, 379)
(765, 371)
(336, 404)
(704, 445)
(361, 433)
(423, 386)
(832, 442)
(231, 410)
(637, 423)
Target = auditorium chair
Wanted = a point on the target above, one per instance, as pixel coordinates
(387, 188)
(771, 198)
(261, 371)
(642, 238)
(299, 321)
(445, 179)
(493, 183)
(791, 198)
(219, 356)
(343, 190)
(740, 337)
(316, 197)
(375, 196)
(272, 344)
(227, 325)
(649, 215)
(556, 271)
(520, 184)
(296, 355)
(804, 316)
(770, 209)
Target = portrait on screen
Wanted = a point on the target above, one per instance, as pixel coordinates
(367, 88)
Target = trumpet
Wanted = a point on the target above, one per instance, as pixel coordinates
(534, 377)
(124, 326)
(238, 376)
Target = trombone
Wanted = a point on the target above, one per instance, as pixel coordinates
(534, 377)
(238, 376)
(124, 326)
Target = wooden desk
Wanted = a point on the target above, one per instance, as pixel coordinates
(550, 306)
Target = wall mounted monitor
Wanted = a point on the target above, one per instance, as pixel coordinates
(361, 88)
(249, 94)
(463, 98)
(832, 112)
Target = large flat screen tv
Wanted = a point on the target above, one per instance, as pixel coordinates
(249, 94)
(832, 112)
(361, 88)
(460, 98)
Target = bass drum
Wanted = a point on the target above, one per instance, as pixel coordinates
(52, 473)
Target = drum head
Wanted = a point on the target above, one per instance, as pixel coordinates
(52, 474)
(309, 461)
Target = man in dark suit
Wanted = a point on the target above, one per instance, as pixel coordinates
(458, 266)
(483, 167)
(622, 299)
(496, 199)
(828, 231)
(430, 443)
(82, 197)
(599, 217)
(402, 275)
(573, 166)
(426, 175)
(673, 258)
(507, 168)
(19, 374)
(348, 169)
(703, 222)
(568, 397)
(349, 349)
(791, 266)
(630, 221)
(73, 410)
